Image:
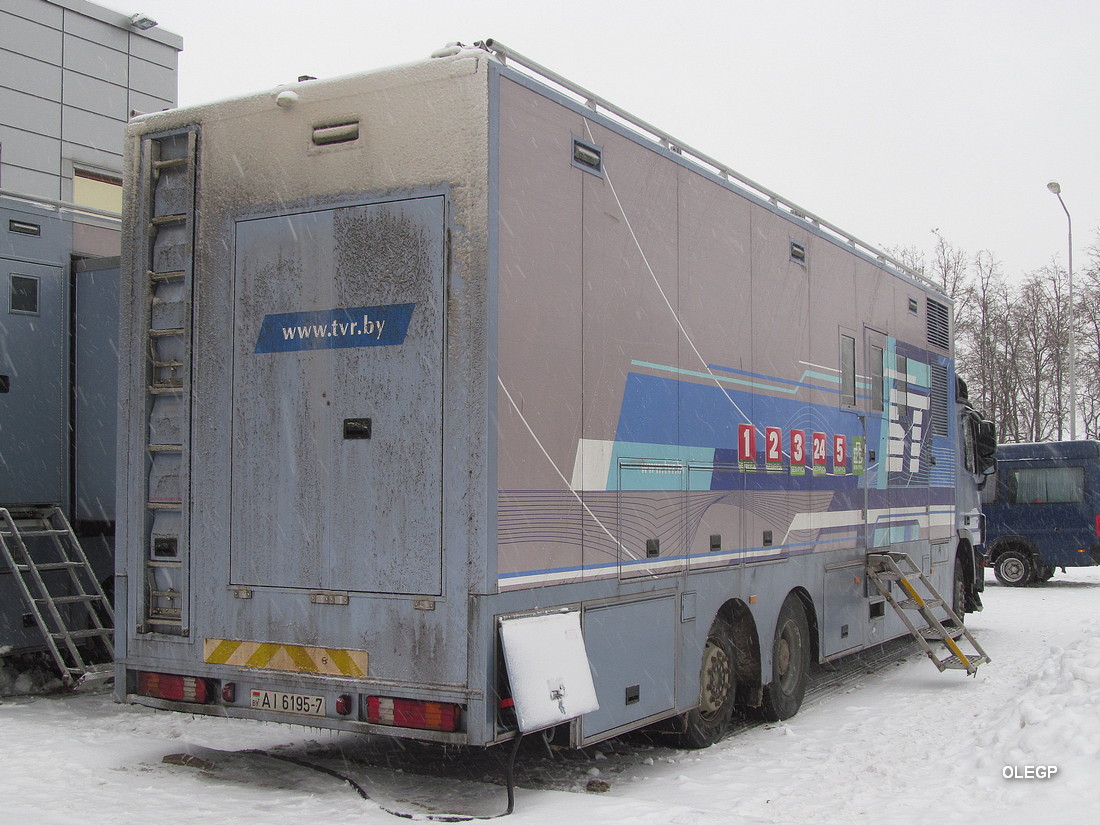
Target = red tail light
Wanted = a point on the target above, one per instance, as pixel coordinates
(174, 688)
(412, 713)
(1098, 527)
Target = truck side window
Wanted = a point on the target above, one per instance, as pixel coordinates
(876, 378)
(847, 370)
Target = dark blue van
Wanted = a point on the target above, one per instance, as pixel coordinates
(1042, 510)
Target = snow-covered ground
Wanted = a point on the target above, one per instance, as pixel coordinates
(899, 744)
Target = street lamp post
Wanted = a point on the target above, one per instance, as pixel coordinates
(1056, 188)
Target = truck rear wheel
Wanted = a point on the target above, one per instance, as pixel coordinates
(790, 662)
(709, 720)
(1013, 568)
(958, 589)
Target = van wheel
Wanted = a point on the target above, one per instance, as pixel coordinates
(1013, 569)
(709, 720)
(790, 663)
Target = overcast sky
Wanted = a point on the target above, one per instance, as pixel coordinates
(889, 118)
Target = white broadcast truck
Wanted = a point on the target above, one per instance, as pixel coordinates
(457, 401)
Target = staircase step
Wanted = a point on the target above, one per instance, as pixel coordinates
(913, 604)
(93, 633)
(95, 675)
(938, 634)
(53, 565)
(84, 598)
(48, 521)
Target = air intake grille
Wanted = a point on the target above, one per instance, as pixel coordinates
(939, 325)
(939, 399)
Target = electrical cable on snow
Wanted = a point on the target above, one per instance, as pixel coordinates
(509, 779)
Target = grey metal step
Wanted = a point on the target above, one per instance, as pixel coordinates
(93, 633)
(52, 565)
(85, 598)
(934, 634)
(912, 604)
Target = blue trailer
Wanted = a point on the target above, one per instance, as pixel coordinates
(1043, 511)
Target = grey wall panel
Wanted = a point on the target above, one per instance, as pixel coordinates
(143, 103)
(29, 150)
(152, 78)
(47, 14)
(154, 52)
(27, 37)
(95, 381)
(96, 31)
(30, 113)
(94, 95)
(89, 156)
(29, 75)
(30, 182)
(93, 130)
(95, 60)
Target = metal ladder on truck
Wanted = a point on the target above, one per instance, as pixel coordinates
(885, 568)
(61, 592)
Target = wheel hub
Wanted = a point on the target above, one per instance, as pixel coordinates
(717, 679)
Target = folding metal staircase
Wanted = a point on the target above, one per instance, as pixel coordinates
(60, 591)
(934, 637)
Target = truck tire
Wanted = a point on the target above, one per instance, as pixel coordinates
(790, 662)
(958, 589)
(709, 720)
(1013, 568)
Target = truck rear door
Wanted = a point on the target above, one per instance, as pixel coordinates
(337, 399)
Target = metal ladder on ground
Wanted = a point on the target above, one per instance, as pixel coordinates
(60, 591)
(884, 568)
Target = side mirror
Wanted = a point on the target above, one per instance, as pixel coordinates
(987, 446)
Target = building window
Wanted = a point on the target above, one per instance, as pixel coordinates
(97, 191)
(24, 295)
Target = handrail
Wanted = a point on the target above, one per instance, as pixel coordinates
(595, 102)
(62, 206)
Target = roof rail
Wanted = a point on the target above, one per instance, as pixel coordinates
(593, 101)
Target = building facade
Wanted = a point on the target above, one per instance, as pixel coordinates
(71, 74)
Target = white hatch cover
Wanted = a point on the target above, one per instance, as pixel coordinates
(547, 669)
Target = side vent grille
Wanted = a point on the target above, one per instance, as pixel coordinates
(588, 156)
(939, 399)
(336, 133)
(939, 325)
